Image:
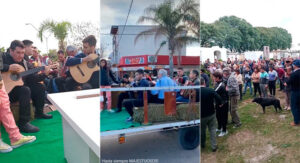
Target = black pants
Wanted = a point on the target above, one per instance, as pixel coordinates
(155, 99)
(122, 96)
(222, 116)
(61, 82)
(281, 84)
(130, 103)
(240, 89)
(272, 87)
(23, 94)
(71, 84)
(256, 88)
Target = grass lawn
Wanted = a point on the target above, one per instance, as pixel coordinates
(262, 137)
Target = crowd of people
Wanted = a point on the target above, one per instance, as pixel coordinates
(141, 78)
(56, 77)
(230, 81)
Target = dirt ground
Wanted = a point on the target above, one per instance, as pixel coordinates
(262, 137)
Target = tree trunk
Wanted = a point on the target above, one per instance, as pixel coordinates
(61, 45)
(179, 58)
(171, 63)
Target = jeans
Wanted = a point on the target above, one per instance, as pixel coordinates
(210, 123)
(248, 84)
(295, 106)
(182, 99)
(263, 89)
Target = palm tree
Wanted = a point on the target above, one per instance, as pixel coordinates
(58, 29)
(171, 21)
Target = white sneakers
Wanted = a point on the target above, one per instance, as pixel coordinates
(4, 148)
(223, 134)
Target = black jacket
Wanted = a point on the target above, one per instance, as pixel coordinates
(106, 76)
(207, 100)
(28, 80)
(221, 90)
(294, 81)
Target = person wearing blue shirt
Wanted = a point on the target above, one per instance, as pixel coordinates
(89, 44)
(263, 81)
(272, 80)
(163, 81)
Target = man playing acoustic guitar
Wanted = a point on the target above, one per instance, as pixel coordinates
(32, 89)
(89, 44)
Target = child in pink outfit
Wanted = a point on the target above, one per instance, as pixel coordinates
(6, 117)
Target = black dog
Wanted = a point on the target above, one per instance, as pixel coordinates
(267, 102)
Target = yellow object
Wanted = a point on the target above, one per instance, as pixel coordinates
(23, 140)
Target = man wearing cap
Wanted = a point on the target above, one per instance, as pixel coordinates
(232, 87)
(294, 82)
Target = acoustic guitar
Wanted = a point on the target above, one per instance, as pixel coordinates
(82, 73)
(13, 79)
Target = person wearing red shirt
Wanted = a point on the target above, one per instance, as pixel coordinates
(280, 73)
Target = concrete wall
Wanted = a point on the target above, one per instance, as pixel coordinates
(211, 53)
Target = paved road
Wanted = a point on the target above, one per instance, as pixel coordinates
(162, 147)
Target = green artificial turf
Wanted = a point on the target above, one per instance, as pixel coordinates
(115, 121)
(48, 148)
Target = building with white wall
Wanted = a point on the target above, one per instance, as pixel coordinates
(213, 53)
(124, 43)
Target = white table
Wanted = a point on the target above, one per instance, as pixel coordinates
(81, 125)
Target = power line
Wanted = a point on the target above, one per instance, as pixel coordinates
(125, 22)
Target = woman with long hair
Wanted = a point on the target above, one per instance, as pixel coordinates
(255, 80)
(106, 78)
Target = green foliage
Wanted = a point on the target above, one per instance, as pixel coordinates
(58, 29)
(2, 49)
(238, 35)
(173, 22)
(52, 54)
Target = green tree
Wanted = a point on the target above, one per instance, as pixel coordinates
(52, 54)
(238, 35)
(208, 35)
(58, 29)
(2, 49)
(172, 21)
